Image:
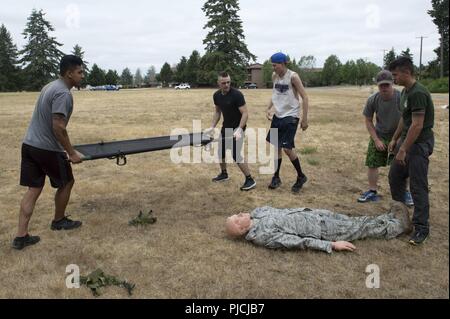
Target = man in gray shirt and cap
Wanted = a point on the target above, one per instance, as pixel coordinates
(385, 104)
(47, 151)
(318, 229)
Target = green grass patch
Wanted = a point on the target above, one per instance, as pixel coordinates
(308, 150)
(312, 161)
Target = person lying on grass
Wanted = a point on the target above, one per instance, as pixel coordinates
(318, 229)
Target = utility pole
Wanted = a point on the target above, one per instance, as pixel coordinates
(442, 54)
(420, 63)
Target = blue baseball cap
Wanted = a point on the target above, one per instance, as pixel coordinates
(279, 57)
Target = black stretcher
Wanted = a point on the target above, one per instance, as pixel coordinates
(119, 149)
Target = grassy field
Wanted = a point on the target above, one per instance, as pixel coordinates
(186, 254)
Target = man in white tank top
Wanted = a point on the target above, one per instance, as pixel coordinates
(284, 112)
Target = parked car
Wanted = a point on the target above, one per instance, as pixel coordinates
(182, 86)
(250, 86)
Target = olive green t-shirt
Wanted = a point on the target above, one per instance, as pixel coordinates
(417, 99)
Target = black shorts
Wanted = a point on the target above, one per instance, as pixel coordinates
(287, 128)
(37, 163)
(227, 141)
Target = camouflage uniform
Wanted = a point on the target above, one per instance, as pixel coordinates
(316, 228)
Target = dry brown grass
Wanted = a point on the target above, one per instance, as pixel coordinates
(186, 254)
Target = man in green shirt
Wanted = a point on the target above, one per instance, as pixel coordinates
(412, 143)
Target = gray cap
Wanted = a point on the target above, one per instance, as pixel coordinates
(384, 77)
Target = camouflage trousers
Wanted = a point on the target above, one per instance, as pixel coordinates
(342, 227)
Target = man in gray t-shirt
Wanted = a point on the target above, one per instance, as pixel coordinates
(47, 151)
(385, 105)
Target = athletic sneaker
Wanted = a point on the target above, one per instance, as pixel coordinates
(221, 177)
(275, 183)
(249, 184)
(419, 236)
(299, 184)
(65, 223)
(369, 196)
(408, 199)
(22, 242)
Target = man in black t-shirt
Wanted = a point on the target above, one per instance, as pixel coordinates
(230, 103)
(412, 143)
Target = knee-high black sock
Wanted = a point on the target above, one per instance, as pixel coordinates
(277, 172)
(297, 166)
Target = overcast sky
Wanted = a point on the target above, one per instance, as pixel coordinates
(138, 33)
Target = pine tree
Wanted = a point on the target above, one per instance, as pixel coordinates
(388, 58)
(166, 74)
(78, 51)
(111, 77)
(138, 80)
(225, 46)
(9, 71)
(180, 75)
(126, 78)
(193, 68)
(41, 55)
(97, 76)
(151, 75)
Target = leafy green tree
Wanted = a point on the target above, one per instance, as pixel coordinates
(331, 73)
(267, 71)
(439, 14)
(41, 55)
(225, 46)
(9, 70)
(307, 63)
(350, 73)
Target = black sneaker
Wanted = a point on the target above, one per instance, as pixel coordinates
(299, 184)
(275, 183)
(22, 242)
(65, 223)
(419, 236)
(248, 185)
(221, 177)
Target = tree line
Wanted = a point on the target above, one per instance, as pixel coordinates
(225, 50)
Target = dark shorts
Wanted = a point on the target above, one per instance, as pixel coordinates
(37, 163)
(226, 141)
(287, 128)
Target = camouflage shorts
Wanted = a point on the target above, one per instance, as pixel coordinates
(374, 157)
